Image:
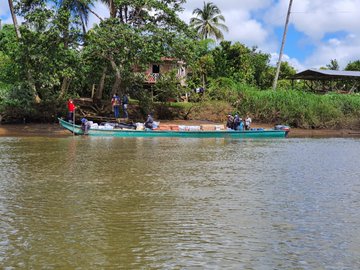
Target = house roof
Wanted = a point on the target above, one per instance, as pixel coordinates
(319, 74)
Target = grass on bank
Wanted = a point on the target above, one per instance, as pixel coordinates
(291, 107)
(301, 109)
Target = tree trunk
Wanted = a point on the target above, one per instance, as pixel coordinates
(66, 80)
(93, 12)
(100, 91)
(112, 9)
(64, 87)
(16, 26)
(117, 83)
(32, 86)
(203, 80)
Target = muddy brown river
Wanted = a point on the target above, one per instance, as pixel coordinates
(169, 203)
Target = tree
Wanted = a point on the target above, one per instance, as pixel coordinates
(334, 65)
(207, 22)
(353, 66)
(55, 22)
(260, 62)
(70, 13)
(9, 47)
(141, 33)
(286, 70)
(29, 75)
(353, 86)
(233, 61)
(202, 65)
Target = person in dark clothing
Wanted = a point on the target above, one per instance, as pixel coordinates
(125, 102)
(149, 121)
(236, 122)
(230, 121)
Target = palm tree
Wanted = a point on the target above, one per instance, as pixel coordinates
(208, 22)
(79, 10)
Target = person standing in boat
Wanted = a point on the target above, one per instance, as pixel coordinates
(247, 123)
(115, 103)
(241, 126)
(125, 102)
(230, 122)
(236, 122)
(71, 110)
(149, 123)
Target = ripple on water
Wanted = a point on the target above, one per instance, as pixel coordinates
(93, 203)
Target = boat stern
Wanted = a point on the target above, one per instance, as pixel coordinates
(284, 128)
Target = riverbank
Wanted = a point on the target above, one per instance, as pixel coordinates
(55, 130)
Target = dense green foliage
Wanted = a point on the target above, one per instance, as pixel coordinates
(292, 107)
(353, 66)
(55, 56)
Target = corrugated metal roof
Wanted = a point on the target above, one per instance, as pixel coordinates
(320, 74)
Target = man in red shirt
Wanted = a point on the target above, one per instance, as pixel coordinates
(71, 110)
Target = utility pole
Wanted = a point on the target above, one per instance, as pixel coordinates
(282, 46)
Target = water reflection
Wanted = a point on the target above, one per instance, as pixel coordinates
(179, 203)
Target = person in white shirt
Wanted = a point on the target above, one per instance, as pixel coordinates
(247, 122)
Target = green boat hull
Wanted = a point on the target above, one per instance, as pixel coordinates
(76, 129)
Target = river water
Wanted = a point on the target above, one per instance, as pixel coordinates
(165, 203)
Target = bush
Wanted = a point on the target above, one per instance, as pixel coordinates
(297, 108)
(222, 89)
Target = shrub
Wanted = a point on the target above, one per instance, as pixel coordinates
(222, 89)
(298, 108)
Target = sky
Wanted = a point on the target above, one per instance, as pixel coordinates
(319, 30)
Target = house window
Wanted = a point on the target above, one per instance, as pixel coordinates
(155, 68)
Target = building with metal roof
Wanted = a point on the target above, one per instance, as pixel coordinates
(319, 80)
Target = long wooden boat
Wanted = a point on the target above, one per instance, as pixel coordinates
(271, 133)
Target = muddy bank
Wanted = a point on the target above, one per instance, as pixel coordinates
(55, 130)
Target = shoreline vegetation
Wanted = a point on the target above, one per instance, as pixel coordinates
(42, 67)
(308, 114)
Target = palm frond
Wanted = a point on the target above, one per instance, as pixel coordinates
(208, 21)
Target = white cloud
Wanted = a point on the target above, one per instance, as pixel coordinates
(292, 61)
(324, 24)
(343, 50)
(330, 26)
(238, 18)
(315, 18)
(229, 5)
(249, 32)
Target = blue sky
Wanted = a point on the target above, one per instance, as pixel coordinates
(319, 30)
